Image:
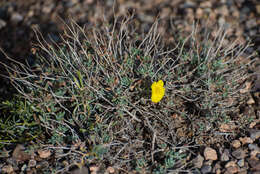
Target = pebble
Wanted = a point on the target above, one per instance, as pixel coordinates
(231, 170)
(2, 24)
(210, 154)
(198, 161)
(206, 169)
(239, 153)
(8, 169)
(236, 144)
(258, 9)
(254, 134)
(253, 162)
(225, 155)
(241, 163)
(243, 172)
(250, 101)
(254, 147)
(245, 140)
(32, 163)
(254, 153)
(16, 17)
(111, 170)
(217, 168)
(251, 23)
(230, 164)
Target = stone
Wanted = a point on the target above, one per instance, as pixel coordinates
(251, 23)
(198, 161)
(44, 153)
(231, 164)
(111, 170)
(241, 163)
(16, 17)
(246, 140)
(257, 166)
(254, 134)
(256, 172)
(254, 147)
(19, 153)
(253, 154)
(253, 162)
(236, 144)
(258, 9)
(232, 170)
(206, 169)
(210, 154)
(2, 24)
(250, 101)
(7, 169)
(225, 155)
(199, 13)
(242, 172)
(239, 153)
(32, 163)
(217, 168)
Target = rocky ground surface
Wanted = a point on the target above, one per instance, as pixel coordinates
(17, 18)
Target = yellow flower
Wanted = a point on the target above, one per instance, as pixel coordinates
(158, 91)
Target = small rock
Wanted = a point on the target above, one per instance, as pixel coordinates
(242, 172)
(231, 170)
(199, 13)
(2, 24)
(246, 140)
(252, 125)
(206, 169)
(217, 168)
(94, 169)
(82, 170)
(44, 153)
(257, 166)
(254, 153)
(218, 171)
(198, 161)
(253, 162)
(241, 163)
(227, 127)
(223, 10)
(32, 163)
(16, 17)
(111, 170)
(254, 147)
(256, 172)
(225, 155)
(7, 169)
(230, 164)
(258, 9)
(251, 23)
(206, 4)
(239, 153)
(210, 154)
(19, 154)
(236, 144)
(254, 134)
(251, 101)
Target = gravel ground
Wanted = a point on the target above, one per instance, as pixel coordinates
(17, 18)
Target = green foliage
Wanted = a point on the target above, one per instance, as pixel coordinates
(171, 158)
(97, 91)
(18, 122)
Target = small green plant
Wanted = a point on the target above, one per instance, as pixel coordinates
(96, 89)
(19, 122)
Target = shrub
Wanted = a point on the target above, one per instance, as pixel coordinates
(95, 87)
